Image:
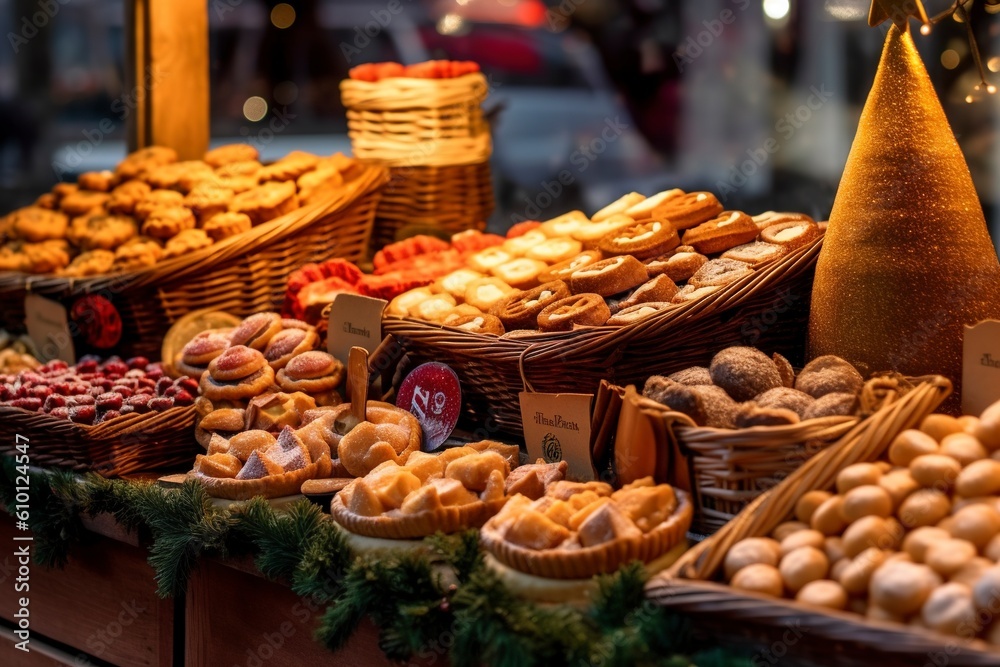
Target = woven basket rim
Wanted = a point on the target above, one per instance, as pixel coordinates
(109, 430)
(272, 486)
(449, 519)
(371, 178)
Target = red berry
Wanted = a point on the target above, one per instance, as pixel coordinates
(138, 362)
(83, 414)
(147, 382)
(60, 413)
(110, 401)
(154, 372)
(107, 416)
(6, 393)
(86, 365)
(161, 403)
(183, 397)
(126, 410)
(188, 384)
(136, 373)
(124, 392)
(95, 390)
(41, 391)
(80, 399)
(115, 368)
(139, 402)
(54, 401)
(56, 365)
(162, 385)
(29, 404)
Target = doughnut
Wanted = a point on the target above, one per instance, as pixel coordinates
(287, 344)
(520, 310)
(484, 292)
(786, 398)
(578, 310)
(827, 375)
(434, 308)
(589, 234)
(750, 414)
(257, 330)
(756, 253)
(744, 372)
(519, 245)
(784, 369)
(769, 218)
(636, 312)
(833, 405)
(644, 209)
(719, 273)
(562, 270)
(679, 266)
(791, 235)
(730, 229)
(555, 250)
(618, 206)
(456, 282)
(564, 225)
(483, 323)
(692, 293)
(486, 260)
(235, 363)
(643, 240)
(609, 276)
(520, 273)
(690, 210)
(311, 372)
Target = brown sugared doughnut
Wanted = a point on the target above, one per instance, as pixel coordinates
(573, 311)
(563, 270)
(833, 405)
(787, 399)
(750, 414)
(609, 276)
(520, 310)
(707, 405)
(784, 369)
(756, 253)
(828, 375)
(650, 238)
(744, 372)
(692, 376)
(719, 273)
(690, 210)
(791, 235)
(769, 218)
(730, 229)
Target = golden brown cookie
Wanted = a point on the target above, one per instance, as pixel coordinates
(720, 272)
(13, 257)
(769, 218)
(62, 190)
(223, 155)
(290, 167)
(90, 263)
(139, 253)
(47, 256)
(169, 176)
(266, 202)
(48, 201)
(125, 196)
(755, 254)
(690, 210)
(609, 276)
(102, 231)
(520, 310)
(224, 225)
(573, 311)
(207, 200)
(186, 242)
(649, 238)
(564, 269)
(137, 163)
(483, 323)
(97, 181)
(166, 223)
(679, 266)
(82, 202)
(318, 183)
(156, 200)
(792, 235)
(729, 230)
(36, 224)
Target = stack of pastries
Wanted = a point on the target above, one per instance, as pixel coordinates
(633, 258)
(153, 207)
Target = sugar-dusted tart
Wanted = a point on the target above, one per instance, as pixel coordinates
(578, 530)
(455, 490)
(389, 434)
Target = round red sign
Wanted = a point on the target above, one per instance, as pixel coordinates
(433, 394)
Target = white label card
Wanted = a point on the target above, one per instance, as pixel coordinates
(557, 427)
(981, 367)
(48, 327)
(355, 321)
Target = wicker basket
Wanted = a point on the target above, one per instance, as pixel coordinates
(241, 275)
(725, 469)
(769, 309)
(154, 441)
(827, 637)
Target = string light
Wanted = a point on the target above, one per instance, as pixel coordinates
(959, 12)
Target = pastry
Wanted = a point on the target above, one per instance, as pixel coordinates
(690, 293)
(832, 405)
(266, 202)
(287, 344)
(791, 235)
(186, 242)
(829, 374)
(390, 434)
(290, 167)
(244, 443)
(238, 373)
(218, 465)
(62, 190)
(223, 155)
(562, 270)
(618, 207)
(786, 398)
(434, 308)
(591, 234)
(642, 240)
(744, 372)
(136, 164)
(679, 266)
(47, 256)
(222, 422)
(564, 225)
(223, 225)
(695, 375)
(609, 276)
(89, 263)
(555, 250)
(257, 330)
(750, 414)
(520, 310)
(82, 202)
(48, 201)
(532, 479)
(314, 184)
(730, 229)
(769, 218)
(637, 312)
(274, 411)
(238, 176)
(571, 312)
(483, 293)
(720, 272)
(169, 176)
(456, 282)
(689, 210)
(482, 323)
(315, 373)
(102, 231)
(644, 210)
(486, 260)
(658, 290)
(707, 405)
(518, 246)
(156, 200)
(755, 254)
(200, 351)
(166, 223)
(520, 273)
(97, 181)
(137, 254)
(124, 197)
(785, 370)
(405, 302)
(207, 200)
(35, 224)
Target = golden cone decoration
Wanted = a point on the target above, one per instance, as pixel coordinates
(907, 261)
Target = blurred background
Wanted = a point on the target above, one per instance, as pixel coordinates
(621, 94)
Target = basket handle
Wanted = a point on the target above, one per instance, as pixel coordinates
(865, 442)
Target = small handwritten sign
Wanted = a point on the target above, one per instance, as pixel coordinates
(981, 367)
(557, 428)
(355, 321)
(433, 394)
(47, 322)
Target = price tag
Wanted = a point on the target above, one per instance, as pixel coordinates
(355, 321)
(434, 396)
(47, 322)
(556, 428)
(981, 367)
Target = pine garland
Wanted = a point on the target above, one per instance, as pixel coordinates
(446, 603)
